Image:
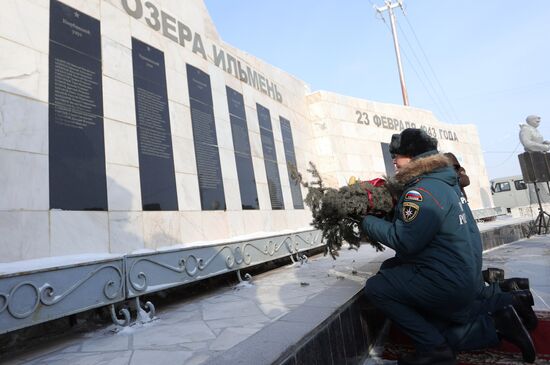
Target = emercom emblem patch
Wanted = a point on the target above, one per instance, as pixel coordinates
(410, 211)
(413, 195)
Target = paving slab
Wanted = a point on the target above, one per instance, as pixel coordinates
(528, 258)
(197, 330)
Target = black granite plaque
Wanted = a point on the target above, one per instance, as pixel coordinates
(268, 144)
(206, 143)
(388, 160)
(204, 125)
(156, 159)
(274, 185)
(235, 102)
(270, 158)
(247, 182)
(210, 177)
(241, 145)
(292, 168)
(239, 132)
(76, 138)
(264, 117)
(199, 85)
(75, 30)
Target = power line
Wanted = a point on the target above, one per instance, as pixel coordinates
(411, 64)
(430, 66)
(423, 84)
(512, 91)
(507, 158)
(428, 86)
(439, 103)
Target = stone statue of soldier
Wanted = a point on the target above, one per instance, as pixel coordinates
(530, 137)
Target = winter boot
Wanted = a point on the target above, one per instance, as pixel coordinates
(522, 300)
(510, 328)
(514, 284)
(493, 275)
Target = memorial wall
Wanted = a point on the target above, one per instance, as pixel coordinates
(129, 125)
(352, 136)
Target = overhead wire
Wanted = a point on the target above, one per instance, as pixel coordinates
(453, 111)
(443, 104)
(512, 91)
(506, 159)
(439, 102)
(411, 64)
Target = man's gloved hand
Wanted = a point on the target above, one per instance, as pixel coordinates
(351, 230)
(353, 233)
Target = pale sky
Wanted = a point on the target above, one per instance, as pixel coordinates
(490, 58)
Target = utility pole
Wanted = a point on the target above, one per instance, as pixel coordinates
(389, 7)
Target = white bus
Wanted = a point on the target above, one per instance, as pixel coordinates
(510, 192)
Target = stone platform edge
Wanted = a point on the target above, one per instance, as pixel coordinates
(329, 328)
(498, 236)
(35, 295)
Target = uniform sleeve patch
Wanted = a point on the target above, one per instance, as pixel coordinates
(410, 211)
(413, 195)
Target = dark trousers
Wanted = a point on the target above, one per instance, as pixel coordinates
(479, 332)
(493, 298)
(430, 314)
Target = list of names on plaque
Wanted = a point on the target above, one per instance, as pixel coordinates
(76, 137)
(156, 160)
(292, 168)
(241, 145)
(206, 144)
(154, 139)
(270, 158)
(73, 89)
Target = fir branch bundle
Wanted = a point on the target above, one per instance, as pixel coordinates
(333, 209)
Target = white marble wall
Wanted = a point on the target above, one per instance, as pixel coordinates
(28, 229)
(347, 148)
(24, 217)
(324, 130)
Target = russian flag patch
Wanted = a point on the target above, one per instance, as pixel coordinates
(413, 195)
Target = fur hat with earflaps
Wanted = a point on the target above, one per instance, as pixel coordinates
(412, 142)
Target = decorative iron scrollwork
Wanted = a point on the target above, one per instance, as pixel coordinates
(200, 261)
(46, 294)
(124, 312)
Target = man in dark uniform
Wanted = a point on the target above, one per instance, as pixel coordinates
(500, 292)
(430, 289)
(463, 179)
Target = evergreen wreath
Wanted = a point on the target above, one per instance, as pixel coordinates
(338, 212)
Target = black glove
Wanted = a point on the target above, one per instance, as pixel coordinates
(351, 230)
